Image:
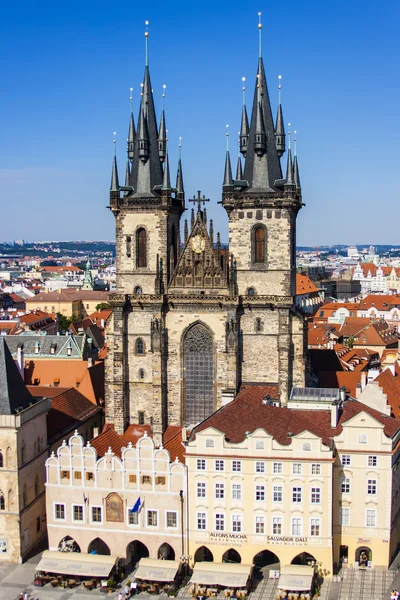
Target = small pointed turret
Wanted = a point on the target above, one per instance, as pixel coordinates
(289, 170)
(279, 126)
(192, 219)
(162, 136)
(179, 174)
(260, 139)
(212, 233)
(131, 134)
(185, 232)
(244, 127)
(239, 172)
(127, 175)
(143, 137)
(114, 187)
(228, 180)
(166, 185)
(296, 174)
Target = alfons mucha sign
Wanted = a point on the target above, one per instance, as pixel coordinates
(220, 538)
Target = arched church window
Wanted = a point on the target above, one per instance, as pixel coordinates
(1, 460)
(198, 352)
(141, 250)
(139, 346)
(2, 502)
(259, 243)
(251, 291)
(138, 290)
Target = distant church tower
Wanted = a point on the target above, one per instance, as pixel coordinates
(192, 322)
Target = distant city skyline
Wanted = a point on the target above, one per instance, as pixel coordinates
(66, 90)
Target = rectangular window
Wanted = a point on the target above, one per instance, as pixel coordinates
(201, 489)
(345, 485)
(277, 468)
(160, 480)
(201, 521)
(90, 477)
(346, 459)
(372, 461)
(59, 512)
(236, 523)
(297, 493)
(260, 493)
(152, 518)
(315, 469)
(314, 527)
(141, 417)
(277, 493)
(96, 514)
(371, 517)
(260, 525)
(315, 495)
(132, 478)
(277, 526)
(133, 517)
(296, 526)
(201, 464)
(371, 487)
(77, 512)
(78, 475)
(146, 479)
(64, 474)
(220, 522)
(260, 466)
(236, 466)
(171, 518)
(345, 516)
(297, 468)
(219, 490)
(236, 491)
(219, 465)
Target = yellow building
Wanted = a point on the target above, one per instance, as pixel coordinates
(266, 483)
(68, 302)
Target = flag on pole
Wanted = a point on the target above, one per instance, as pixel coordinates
(136, 507)
(84, 498)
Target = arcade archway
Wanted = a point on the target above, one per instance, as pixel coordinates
(97, 546)
(304, 558)
(231, 556)
(203, 554)
(266, 558)
(135, 551)
(68, 544)
(363, 556)
(166, 552)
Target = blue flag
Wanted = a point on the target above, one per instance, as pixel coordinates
(135, 508)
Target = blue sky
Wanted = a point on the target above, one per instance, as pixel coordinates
(66, 70)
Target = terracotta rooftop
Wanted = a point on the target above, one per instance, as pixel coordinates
(304, 285)
(381, 302)
(390, 385)
(248, 413)
(172, 440)
(108, 438)
(69, 409)
(68, 295)
(134, 432)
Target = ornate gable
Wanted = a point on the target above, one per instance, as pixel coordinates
(200, 266)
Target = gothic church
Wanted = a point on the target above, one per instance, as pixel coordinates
(192, 321)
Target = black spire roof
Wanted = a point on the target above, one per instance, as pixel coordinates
(228, 170)
(13, 392)
(114, 187)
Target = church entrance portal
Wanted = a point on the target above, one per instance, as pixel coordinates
(198, 355)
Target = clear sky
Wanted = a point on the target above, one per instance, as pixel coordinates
(66, 69)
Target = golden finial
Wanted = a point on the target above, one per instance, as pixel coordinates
(289, 124)
(259, 35)
(279, 88)
(146, 35)
(141, 89)
(295, 141)
(180, 147)
(227, 138)
(131, 97)
(163, 95)
(244, 90)
(115, 143)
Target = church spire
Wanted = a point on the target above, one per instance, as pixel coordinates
(244, 127)
(127, 174)
(166, 184)
(280, 127)
(228, 180)
(296, 174)
(239, 172)
(114, 187)
(162, 136)
(289, 167)
(179, 175)
(131, 132)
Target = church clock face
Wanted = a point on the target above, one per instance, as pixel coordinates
(198, 243)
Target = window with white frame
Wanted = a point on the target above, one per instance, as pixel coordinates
(315, 469)
(345, 485)
(201, 489)
(260, 525)
(171, 518)
(59, 512)
(236, 523)
(219, 465)
(297, 494)
(345, 516)
(346, 459)
(315, 527)
(277, 493)
(77, 512)
(152, 518)
(315, 495)
(201, 521)
(371, 487)
(133, 517)
(96, 514)
(220, 522)
(372, 461)
(236, 466)
(276, 525)
(297, 525)
(260, 466)
(200, 464)
(277, 468)
(297, 468)
(236, 491)
(219, 490)
(362, 438)
(371, 517)
(260, 493)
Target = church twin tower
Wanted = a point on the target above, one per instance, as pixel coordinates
(194, 321)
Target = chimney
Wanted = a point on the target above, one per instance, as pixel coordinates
(20, 360)
(334, 414)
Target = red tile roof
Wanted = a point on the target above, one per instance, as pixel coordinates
(381, 302)
(69, 409)
(133, 433)
(390, 385)
(172, 440)
(108, 438)
(248, 413)
(304, 285)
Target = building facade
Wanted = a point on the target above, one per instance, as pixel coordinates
(193, 321)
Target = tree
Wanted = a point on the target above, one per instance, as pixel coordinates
(103, 306)
(63, 322)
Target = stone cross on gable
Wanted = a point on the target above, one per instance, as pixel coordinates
(199, 200)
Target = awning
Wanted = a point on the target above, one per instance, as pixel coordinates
(75, 563)
(233, 575)
(157, 570)
(296, 578)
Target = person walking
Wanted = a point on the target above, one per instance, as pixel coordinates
(26, 596)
